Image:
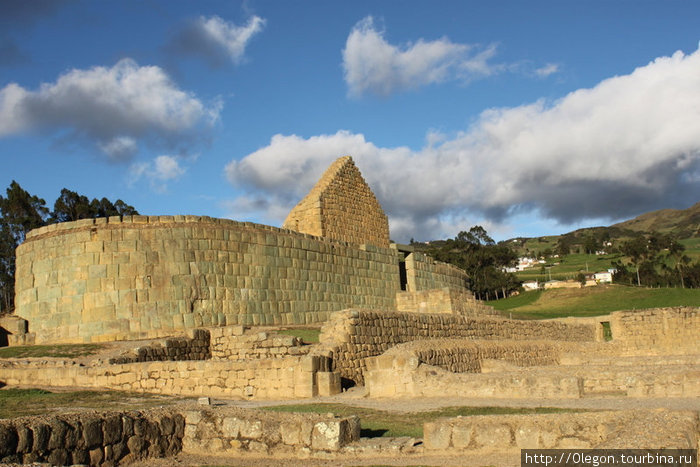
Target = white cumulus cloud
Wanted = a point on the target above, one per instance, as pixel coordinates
(628, 145)
(113, 108)
(372, 65)
(215, 40)
(159, 172)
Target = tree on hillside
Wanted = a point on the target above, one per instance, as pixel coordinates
(636, 249)
(564, 245)
(675, 251)
(476, 253)
(590, 245)
(19, 213)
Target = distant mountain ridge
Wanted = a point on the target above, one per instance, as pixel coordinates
(679, 223)
(682, 222)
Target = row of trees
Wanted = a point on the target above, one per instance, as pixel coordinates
(657, 260)
(482, 259)
(21, 212)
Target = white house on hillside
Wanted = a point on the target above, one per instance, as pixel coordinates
(603, 277)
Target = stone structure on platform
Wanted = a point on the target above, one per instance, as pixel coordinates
(137, 277)
(341, 207)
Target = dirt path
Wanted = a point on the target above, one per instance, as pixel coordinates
(357, 397)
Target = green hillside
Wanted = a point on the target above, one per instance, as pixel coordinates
(684, 223)
(592, 301)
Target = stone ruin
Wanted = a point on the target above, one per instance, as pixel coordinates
(211, 295)
(137, 277)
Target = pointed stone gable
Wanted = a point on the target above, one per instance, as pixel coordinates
(341, 206)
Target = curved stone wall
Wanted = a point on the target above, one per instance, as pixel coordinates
(148, 276)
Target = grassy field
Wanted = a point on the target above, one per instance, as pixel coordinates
(21, 402)
(64, 351)
(592, 301)
(378, 423)
(692, 247)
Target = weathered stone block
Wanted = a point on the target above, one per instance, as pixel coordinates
(136, 445)
(41, 433)
(462, 435)
(333, 434)
(9, 440)
(437, 435)
(92, 432)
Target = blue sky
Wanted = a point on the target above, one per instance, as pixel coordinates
(529, 118)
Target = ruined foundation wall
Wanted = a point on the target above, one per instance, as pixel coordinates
(279, 378)
(194, 347)
(116, 438)
(151, 276)
(395, 375)
(235, 431)
(665, 429)
(236, 343)
(92, 438)
(351, 336)
(467, 355)
(657, 331)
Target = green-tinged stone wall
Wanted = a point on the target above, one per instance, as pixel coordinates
(148, 276)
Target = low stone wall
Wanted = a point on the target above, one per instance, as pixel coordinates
(351, 336)
(399, 375)
(233, 431)
(91, 438)
(233, 343)
(284, 378)
(444, 300)
(657, 331)
(194, 347)
(112, 438)
(467, 355)
(641, 429)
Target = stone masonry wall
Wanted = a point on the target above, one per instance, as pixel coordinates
(115, 438)
(444, 300)
(234, 343)
(467, 355)
(351, 336)
(664, 429)
(280, 378)
(657, 331)
(341, 206)
(91, 438)
(426, 273)
(396, 374)
(195, 347)
(236, 431)
(147, 277)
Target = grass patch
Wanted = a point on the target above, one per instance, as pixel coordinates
(308, 335)
(65, 350)
(380, 423)
(594, 301)
(523, 299)
(20, 402)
